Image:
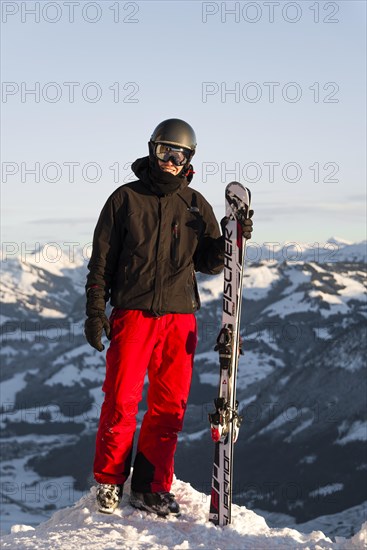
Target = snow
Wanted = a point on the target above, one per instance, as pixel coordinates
(35, 415)
(51, 257)
(317, 268)
(82, 527)
(84, 349)
(98, 397)
(4, 319)
(10, 388)
(283, 381)
(357, 432)
(354, 252)
(66, 376)
(22, 273)
(47, 312)
(352, 288)
(245, 402)
(297, 277)
(290, 304)
(259, 279)
(210, 357)
(323, 333)
(211, 289)
(332, 299)
(94, 361)
(294, 300)
(209, 378)
(338, 302)
(327, 490)
(334, 290)
(291, 414)
(309, 459)
(342, 523)
(352, 363)
(303, 426)
(23, 276)
(8, 350)
(252, 367)
(24, 492)
(339, 240)
(334, 250)
(193, 436)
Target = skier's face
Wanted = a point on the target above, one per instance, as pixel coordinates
(169, 167)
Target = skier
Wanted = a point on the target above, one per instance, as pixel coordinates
(151, 237)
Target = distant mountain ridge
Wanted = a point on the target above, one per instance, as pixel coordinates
(333, 250)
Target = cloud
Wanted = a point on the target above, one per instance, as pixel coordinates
(357, 198)
(331, 208)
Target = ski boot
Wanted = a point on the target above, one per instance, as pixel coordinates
(162, 504)
(108, 497)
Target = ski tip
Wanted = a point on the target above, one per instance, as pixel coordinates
(236, 189)
(237, 186)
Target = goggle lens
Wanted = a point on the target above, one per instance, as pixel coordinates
(178, 155)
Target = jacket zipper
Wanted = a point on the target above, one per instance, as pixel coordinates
(174, 249)
(157, 296)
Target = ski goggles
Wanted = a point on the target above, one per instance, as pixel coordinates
(178, 155)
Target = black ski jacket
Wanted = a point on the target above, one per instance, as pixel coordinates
(146, 247)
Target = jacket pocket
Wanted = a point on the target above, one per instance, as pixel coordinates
(193, 292)
(196, 290)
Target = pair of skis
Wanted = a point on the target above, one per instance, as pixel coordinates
(225, 421)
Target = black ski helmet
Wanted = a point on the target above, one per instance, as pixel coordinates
(176, 132)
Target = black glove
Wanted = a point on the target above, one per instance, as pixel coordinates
(93, 330)
(97, 320)
(246, 225)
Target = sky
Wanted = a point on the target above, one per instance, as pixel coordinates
(274, 90)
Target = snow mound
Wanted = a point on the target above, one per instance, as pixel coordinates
(81, 526)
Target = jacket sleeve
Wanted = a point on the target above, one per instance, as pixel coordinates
(107, 239)
(209, 254)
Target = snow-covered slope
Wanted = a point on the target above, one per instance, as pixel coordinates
(81, 526)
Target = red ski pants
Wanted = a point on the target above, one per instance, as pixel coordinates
(164, 347)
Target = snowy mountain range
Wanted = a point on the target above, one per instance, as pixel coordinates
(300, 458)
